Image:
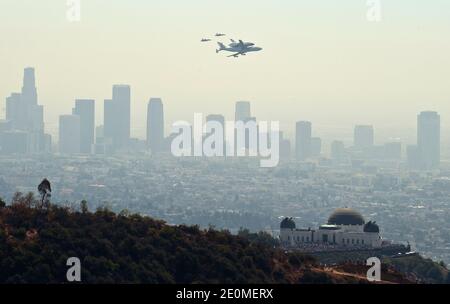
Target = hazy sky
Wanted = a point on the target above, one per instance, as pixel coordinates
(322, 61)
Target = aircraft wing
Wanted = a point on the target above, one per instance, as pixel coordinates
(236, 54)
(241, 44)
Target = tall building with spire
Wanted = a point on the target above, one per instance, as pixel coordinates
(26, 115)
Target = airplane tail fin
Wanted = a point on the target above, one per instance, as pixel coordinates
(221, 47)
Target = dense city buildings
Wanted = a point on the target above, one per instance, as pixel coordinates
(230, 193)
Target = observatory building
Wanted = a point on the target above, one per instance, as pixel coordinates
(345, 228)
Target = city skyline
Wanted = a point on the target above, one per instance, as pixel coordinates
(397, 65)
(343, 133)
(224, 142)
(116, 128)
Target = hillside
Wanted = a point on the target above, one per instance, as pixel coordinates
(415, 267)
(36, 241)
(424, 270)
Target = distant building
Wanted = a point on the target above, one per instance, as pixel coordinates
(338, 151)
(99, 134)
(155, 125)
(363, 136)
(69, 134)
(99, 146)
(393, 151)
(5, 125)
(413, 157)
(26, 115)
(117, 117)
(346, 228)
(285, 148)
(316, 146)
(303, 140)
(85, 109)
(242, 110)
(15, 110)
(14, 142)
(48, 143)
(109, 115)
(429, 139)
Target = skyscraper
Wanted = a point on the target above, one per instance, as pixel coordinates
(429, 139)
(15, 110)
(303, 140)
(155, 125)
(363, 136)
(122, 103)
(29, 91)
(242, 110)
(117, 117)
(25, 114)
(69, 134)
(85, 109)
(109, 116)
